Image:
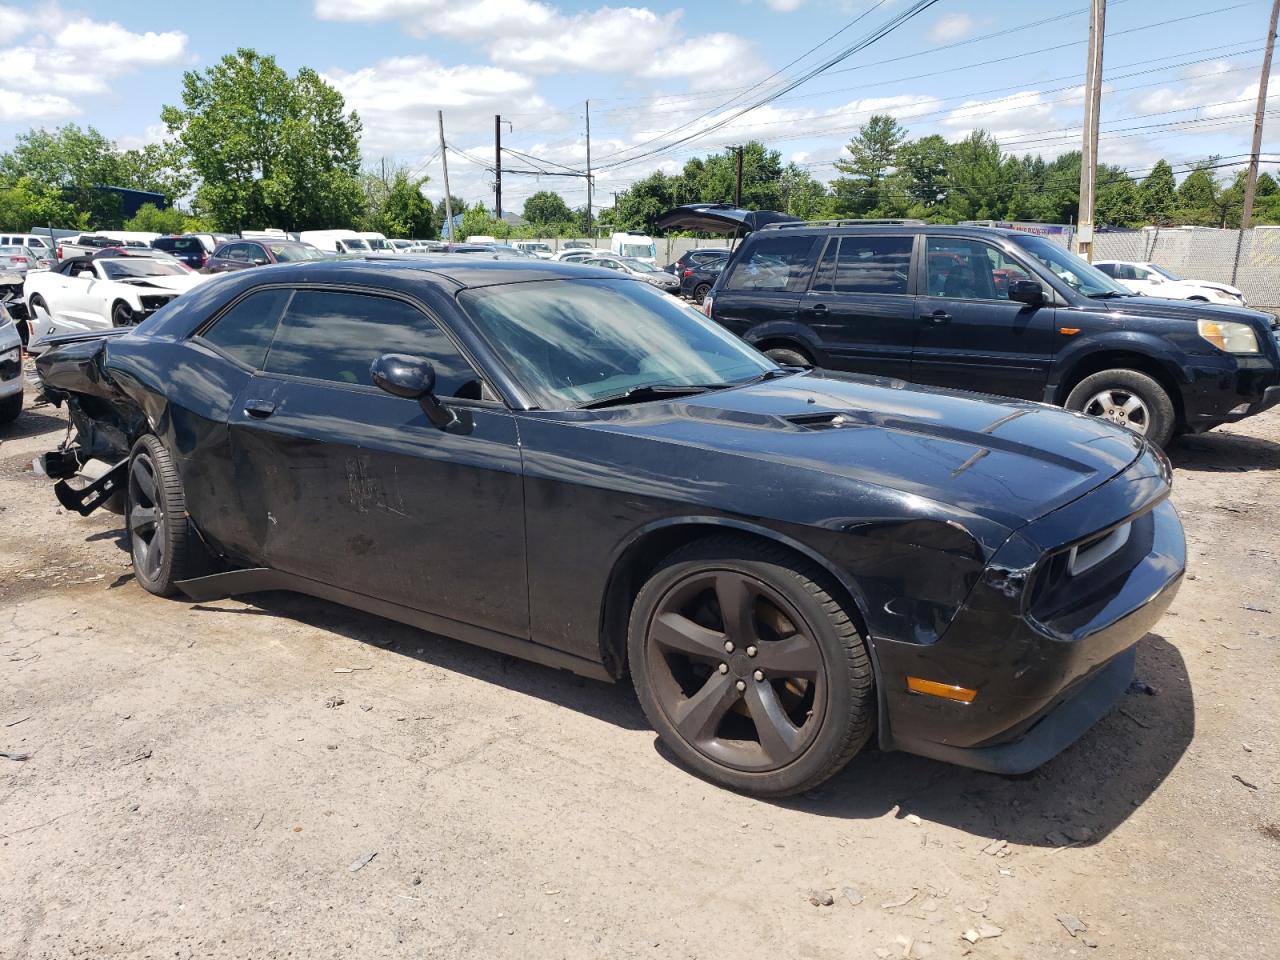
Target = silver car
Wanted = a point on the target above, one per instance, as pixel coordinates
(19, 260)
(667, 282)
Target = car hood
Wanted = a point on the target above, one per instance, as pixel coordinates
(1008, 461)
(1213, 285)
(719, 218)
(178, 282)
(1146, 306)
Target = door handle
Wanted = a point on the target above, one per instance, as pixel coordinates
(819, 308)
(937, 317)
(260, 408)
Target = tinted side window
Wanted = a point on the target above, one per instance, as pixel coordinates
(970, 270)
(774, 263)
(866, 265)
(1108, 268)
(245, 331)
(329, 335)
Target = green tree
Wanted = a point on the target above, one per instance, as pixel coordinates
(27, 203)
(152, 219)
(802, 195)
(922, 171)
(459, 207)
(977, 180)
(404, 211)
(861, 190)
(1119, 203)
(714, 178)
(478, 221)
(77, 162)
(1157, 194)
(268, 149)
(639, 207)
(547, 208)
(1198, 198)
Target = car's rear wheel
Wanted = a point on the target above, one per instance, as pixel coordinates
(788, 357)
(700, 292)
(10, 407)
(749, 667)
(165, 550)
(121, 315)
(1129, 399)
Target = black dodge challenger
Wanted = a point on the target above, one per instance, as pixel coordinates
(569, 466)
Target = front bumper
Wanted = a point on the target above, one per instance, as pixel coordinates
(1046, 662)
(11, 368)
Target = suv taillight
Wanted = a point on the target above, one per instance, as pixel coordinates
(706, 304)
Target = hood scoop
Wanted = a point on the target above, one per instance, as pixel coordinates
(828, 420)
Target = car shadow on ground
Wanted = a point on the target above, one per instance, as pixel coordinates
(1218, 452)
(33, 421)
(1084, 793)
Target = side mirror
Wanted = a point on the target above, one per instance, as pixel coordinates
(412, 378)
(260, 261)
(1029, 292)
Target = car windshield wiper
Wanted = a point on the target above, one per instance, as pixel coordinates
(1108, 294)
(652, 391)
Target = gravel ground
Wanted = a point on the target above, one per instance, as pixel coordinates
(209, 780)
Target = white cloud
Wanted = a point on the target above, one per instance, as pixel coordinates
(540, 37)
(73, 56)
(785, 6)
(954, 26)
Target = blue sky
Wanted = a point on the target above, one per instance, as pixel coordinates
(1181, 75)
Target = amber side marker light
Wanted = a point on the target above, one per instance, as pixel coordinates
(1069, 331)
(945, 690)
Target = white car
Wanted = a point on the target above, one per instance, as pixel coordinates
(1154, 281)
(98, 292)
(578, 254)
(533, 247)
(10, 369)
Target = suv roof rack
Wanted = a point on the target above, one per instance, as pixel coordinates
(847, 222)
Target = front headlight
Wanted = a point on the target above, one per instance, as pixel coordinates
(1229, 336)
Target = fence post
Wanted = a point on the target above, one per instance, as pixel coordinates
(1235, 264)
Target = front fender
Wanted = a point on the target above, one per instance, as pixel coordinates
(788, 330)
(1172, 360)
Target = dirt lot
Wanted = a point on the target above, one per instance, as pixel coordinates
(205, 781)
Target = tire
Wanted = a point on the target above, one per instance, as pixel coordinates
(815, 693)
(700, 292)
(121, 315)
(162, 543)
(787, 357)
(10, 407)
(1129, 399)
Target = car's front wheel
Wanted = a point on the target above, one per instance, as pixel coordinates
(121, 315)
(165, 550)
(749, 666)
(1128, 399)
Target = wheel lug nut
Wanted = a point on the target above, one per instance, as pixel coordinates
(751, 651)
(759, 674)
(724, 668)
(741, 684)
(728, 646)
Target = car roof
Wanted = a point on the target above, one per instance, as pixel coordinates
(457, 273)
(853, 227)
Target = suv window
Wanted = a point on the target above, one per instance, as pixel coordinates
(774, 263)
(1110, 269)
(244, 332)
(970, 270)
(334, 336)
(865, 265)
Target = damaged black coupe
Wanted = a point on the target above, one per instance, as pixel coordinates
(572, 467)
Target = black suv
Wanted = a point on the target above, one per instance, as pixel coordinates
(997, 311)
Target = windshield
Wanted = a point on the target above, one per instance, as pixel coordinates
(637, 250)
(354, 243)
(121, 268)
(377, 243)
(639, 265)
(288, 252)
(538, 247)
(1167, 274)
(570, 342)
(1076, 273)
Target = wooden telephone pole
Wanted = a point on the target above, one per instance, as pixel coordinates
(1251, 178)
(1089, 151)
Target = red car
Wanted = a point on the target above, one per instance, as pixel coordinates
(241, 254)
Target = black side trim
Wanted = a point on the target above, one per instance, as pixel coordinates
(258, 579)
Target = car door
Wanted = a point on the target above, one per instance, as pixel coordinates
(859, 304)
(971, 335)
(73, 295)
(353, 487)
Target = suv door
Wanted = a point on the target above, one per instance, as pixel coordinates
(972, 336)
(860, 307)
(760, 296)
(355, 488)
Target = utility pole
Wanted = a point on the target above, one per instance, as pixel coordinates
(737, 190)
(1089, 151)
(497, 165)
(444, 162)
(590, 232)
(1251, 178)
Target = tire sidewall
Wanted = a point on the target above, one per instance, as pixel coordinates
(840, 700)
(1159, 403)
(163, 583)
(117, 309)
(788, 357)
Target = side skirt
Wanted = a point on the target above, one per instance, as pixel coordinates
(260, 579)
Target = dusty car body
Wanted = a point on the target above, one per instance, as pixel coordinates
(786, 563)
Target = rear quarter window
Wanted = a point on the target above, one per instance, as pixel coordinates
(774, 263)
(244, 332)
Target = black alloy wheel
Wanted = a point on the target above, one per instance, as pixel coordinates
(148, 525)
(700, 292)
(749, 668)
(121, 315)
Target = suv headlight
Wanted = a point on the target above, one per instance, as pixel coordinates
(1229, 336)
